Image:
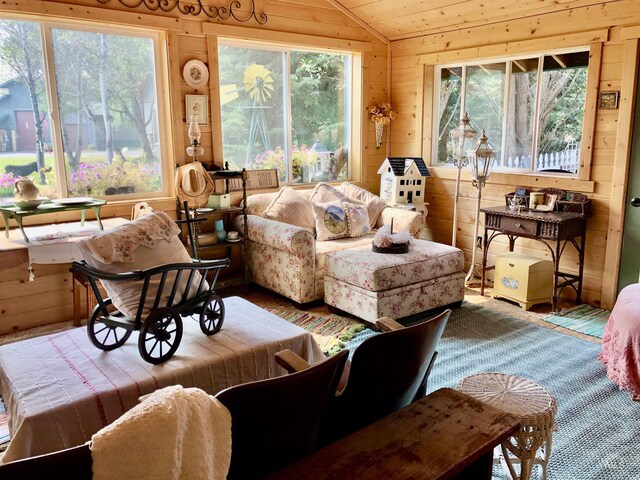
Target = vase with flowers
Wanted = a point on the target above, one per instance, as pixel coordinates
(380, 115)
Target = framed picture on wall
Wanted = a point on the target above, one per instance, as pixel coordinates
(609, 100)
(198, 105)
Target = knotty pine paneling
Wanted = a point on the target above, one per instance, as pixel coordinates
(406, 70)
(19, 307)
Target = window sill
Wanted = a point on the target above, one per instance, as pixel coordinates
(519, 179)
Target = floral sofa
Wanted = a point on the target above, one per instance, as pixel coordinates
(290, 260)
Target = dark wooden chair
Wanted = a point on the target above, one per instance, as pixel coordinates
(387, 372)
(71, 464)
(275, 422)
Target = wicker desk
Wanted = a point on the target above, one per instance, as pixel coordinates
(554, 230)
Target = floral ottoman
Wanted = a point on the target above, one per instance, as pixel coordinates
(372, 285)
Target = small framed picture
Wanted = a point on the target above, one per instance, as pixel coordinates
(609, 100)
(522, 191)
(198, 105)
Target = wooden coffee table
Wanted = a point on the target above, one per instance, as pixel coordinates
(444, 435)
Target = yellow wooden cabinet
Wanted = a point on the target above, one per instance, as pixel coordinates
(524, 279)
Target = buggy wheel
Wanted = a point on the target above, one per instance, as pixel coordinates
(103, 336)
(160, 335)
(212, 315)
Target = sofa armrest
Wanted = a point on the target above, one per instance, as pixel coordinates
(403, 220)
(281, 236)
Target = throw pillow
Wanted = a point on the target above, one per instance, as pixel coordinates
(291, 207)
(357, 219)
(148, 242)
(324, 193)
(331, 221)
(374, 203)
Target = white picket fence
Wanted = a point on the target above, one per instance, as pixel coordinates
(567, 160)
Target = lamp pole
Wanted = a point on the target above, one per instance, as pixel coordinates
(462, 138)
(480, 162)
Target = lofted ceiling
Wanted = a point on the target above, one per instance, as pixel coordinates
(398, 19)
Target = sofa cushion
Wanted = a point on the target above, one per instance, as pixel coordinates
(323, 193)
(376, 272)
(330, 220)
(289, 206)
(374, 203)
(357, 219)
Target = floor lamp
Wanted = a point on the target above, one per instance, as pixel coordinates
(480, 162)
(462, 138)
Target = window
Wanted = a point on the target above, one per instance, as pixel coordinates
(79, 110)
(532, 109)
(287, 109)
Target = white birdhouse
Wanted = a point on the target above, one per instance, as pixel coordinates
(402, 180)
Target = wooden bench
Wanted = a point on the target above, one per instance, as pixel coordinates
(444, 435)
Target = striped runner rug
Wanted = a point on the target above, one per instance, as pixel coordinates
(583, 318)
(330, 331)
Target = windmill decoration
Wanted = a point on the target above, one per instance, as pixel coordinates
(258, 83)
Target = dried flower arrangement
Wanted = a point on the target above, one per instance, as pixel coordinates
(381, 113)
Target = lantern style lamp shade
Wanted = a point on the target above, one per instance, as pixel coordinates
(481, 160)
(462, 138)
(194, 150)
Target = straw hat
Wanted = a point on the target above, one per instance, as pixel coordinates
(193, 184)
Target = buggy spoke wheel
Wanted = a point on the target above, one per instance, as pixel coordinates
(104, 336)
(212, 315)
(160, 335)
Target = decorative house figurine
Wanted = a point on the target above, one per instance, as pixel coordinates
(402, 180)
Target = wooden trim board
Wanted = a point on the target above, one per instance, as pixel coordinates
(621, 162)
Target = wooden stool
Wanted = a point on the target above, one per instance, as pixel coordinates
(528, 402)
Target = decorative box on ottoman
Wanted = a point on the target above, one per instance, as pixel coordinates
(523, 279)
(371, 285)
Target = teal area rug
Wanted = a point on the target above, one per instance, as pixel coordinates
(583, 318)
(598, 435)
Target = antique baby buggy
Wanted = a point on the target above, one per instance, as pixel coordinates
(151, 283)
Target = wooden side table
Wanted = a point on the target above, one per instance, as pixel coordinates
(444, 435)
(553, 230)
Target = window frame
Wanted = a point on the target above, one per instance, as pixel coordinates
(160, 55)
(588, 120)
(355, 104)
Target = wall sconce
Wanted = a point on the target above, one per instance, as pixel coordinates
(462, 138)
(480, 163)
(194, 150)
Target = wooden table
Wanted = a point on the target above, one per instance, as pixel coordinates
(553, 229)
(59, 389)
(446, 434)
(11, 212)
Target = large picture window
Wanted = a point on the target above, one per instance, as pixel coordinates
(287, 109)
(79, 110)
(532, 109)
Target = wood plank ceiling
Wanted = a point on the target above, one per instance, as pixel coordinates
(399, 19)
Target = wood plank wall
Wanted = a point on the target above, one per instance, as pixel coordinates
(26, 304)
(549, 31)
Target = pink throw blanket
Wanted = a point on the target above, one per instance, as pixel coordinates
(621, 342)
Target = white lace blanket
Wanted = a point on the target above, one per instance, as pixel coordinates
(188, 431)
(119, 244)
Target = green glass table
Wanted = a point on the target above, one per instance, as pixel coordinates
(12, 212)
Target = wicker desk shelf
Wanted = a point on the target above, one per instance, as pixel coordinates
(553, 229)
